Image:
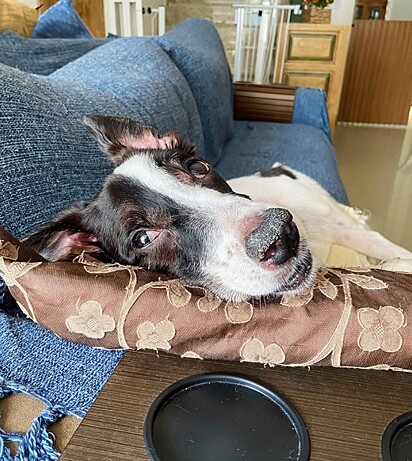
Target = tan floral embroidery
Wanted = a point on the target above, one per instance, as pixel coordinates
(8, 250)
(380, 329)
(15, 270)
(297, 301)
(366, 282)
(177, 294)
(96, 268)
(238, 312)
(91, 321)
(359, 269)
(208, 303)
(11, 271)
(326, 287)
(191, 355)
(254, 350)
(334, 345)
(155, 336)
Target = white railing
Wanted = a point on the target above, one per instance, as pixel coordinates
(130, 17)
(261, 41)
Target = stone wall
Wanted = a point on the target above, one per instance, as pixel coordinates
(220, 12)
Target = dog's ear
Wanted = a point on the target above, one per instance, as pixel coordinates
(117, 135)
(63, 238)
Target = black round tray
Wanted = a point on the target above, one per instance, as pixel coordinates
(397, 439)
(223, 417)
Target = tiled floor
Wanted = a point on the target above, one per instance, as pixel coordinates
(376, 167)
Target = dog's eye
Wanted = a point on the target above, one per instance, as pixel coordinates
(198, 168)
(145, 237)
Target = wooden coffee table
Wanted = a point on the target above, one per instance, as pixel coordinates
(346, 411)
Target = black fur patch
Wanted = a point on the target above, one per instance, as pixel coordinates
(276, 171)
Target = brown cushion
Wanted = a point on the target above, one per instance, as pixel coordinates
(18, 17)
(352, 318)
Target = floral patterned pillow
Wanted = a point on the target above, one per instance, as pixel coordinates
(350, 318)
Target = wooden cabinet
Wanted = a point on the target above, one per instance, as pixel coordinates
(316, 57)
(378, 82)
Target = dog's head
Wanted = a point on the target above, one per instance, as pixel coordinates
(167, 210)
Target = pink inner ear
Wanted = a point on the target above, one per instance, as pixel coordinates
(82, 239)
(79, 241)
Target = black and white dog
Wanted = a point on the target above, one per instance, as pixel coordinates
(167, 210)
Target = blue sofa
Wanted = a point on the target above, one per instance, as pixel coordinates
(179, 82)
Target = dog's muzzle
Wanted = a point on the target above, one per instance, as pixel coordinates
(276, 239)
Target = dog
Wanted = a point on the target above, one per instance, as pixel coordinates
(167, 210)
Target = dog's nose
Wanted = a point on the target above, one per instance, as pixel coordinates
(276, 239)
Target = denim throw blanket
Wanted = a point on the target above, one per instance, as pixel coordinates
(66, 377)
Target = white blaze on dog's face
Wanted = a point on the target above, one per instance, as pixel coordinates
(165, 209)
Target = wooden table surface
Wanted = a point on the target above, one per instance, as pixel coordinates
(346, 411)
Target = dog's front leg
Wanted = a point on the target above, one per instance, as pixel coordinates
(370, 243)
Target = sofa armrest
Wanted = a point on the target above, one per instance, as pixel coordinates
(282, 104)
(266, 103)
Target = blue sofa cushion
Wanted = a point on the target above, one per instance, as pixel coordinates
(47, 157)
(61, 21)
(257, 145)
(42, 55)
(197, 50)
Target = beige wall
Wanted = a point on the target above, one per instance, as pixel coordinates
(399, 10)
(342, 11)
(33, 3)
